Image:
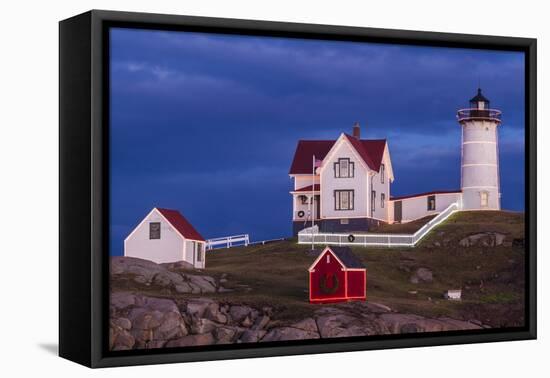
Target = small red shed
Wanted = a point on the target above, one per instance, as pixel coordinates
(337, 275)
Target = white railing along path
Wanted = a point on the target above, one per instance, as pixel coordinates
(371, 239)
(227, 241)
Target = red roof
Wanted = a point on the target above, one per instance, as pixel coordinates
(181, 224)
(308, 188)
(370, 150)
(425, 194)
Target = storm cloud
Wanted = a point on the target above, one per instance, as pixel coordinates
(208, 123)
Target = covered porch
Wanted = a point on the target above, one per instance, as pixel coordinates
(306, 203)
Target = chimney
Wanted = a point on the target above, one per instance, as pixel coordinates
(356, 130)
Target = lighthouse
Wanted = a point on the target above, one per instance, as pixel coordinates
(480, 182)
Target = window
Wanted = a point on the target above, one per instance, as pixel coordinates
(431, 203)
(304, 200)
(328, 258)
(373, 200)
(344, 221)
(344, 168)
(382, 173)
(343, 199)
(154, 230)
(484, 199)
(382, 199)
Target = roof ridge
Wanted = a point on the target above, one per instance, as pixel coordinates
(356, 143)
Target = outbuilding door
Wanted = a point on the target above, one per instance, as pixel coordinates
(397, 211)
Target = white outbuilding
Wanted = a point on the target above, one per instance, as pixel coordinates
(453, 295)
(165, 236)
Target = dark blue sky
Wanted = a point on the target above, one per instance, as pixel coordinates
(208, 123)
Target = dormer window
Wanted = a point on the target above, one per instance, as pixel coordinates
(344, 168)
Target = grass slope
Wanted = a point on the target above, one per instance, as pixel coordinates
(492, 278)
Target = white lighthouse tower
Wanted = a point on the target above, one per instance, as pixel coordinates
(480, 181)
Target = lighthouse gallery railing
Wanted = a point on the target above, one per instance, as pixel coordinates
(382, 240)
(493, 114)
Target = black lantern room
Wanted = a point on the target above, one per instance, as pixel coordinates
(479, 109)
(479, 101)
(479, 105)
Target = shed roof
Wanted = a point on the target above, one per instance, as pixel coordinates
(181, 224)
(344, 254)
(347, 257)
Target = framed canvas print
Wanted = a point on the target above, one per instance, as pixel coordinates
(234, 188)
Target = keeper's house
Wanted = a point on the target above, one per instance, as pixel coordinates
(337, 275)
(343, 185)
(165, 236)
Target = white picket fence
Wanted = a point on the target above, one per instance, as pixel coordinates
(236, 241)
(372, 239)
(228, 242)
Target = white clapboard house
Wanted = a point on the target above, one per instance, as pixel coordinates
(164, 236)
(344, 184)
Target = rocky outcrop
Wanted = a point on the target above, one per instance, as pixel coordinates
(409, 323)
(422, 275)
(174, 277)
(484, 239)
(139, 322)
(181, 311)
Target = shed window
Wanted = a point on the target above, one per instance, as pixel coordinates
(344, 168)
(343, 199)
(431, 203)
(154, 230)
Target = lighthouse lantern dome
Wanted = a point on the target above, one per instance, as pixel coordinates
(479, 101)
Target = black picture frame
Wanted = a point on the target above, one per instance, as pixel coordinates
(83, 180)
